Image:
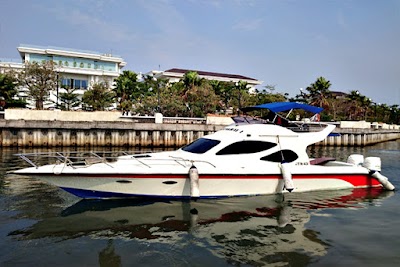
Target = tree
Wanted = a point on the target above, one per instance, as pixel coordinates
(262, 97)
(99, 97)
(8, 90)
(224, 91)
(69, 99)
(126, 85)
(7, 86)
(319, 93)
(151, 86)
(39, 79)
(357, 106)
(242, 93)
(394, 114)
(170, 98)
(270, 87)
(201, 100)
(353, 108)
(190, 80)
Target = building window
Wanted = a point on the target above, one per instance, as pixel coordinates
(84, 84)
(77, 83)
(74, 83)
(66, 83)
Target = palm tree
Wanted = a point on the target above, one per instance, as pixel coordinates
(353, 105)
(358, 105)
(125, 86)
(224, 91)
(319, 93)
(190, 80)
(242, 88)
(152, 86)
(365, 105)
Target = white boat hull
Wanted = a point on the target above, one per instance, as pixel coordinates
(211, 185)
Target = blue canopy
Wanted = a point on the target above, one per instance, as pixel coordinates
(284, 106)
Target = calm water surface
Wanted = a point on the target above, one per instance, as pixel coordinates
(41, 225)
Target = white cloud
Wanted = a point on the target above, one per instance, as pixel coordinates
(248, 25)
(341, 21)
(92, 22)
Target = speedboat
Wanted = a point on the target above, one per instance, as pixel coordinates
(249, 157)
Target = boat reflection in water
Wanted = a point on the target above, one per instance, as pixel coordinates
(248, 230)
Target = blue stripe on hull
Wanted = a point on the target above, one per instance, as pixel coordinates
(90, 194)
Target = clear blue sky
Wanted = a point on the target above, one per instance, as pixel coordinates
(286, 43)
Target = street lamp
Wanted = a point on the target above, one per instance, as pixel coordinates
(239, 104)
(57, 91)
(158, 94)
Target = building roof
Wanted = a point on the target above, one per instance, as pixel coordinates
(338, 94)
(212, 74)
(69, 52)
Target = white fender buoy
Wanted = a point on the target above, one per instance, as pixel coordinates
(383, 180)
(194, 182)
(287, 177)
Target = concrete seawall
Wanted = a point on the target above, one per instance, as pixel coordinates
(21, 133)
(359, 137)
(26, 133)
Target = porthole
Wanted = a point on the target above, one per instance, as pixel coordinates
(170, 182)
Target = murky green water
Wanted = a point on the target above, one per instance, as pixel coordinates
(41, 225)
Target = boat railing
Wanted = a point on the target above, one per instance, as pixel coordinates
(191, 161)
(81, 159)
(74, 159)
(295, 126)
(306, 126)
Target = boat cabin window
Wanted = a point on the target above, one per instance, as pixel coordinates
(283, 155)
(245, 147)
(201, 145)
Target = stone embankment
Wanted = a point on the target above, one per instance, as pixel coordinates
(63, 134)
(360, 137)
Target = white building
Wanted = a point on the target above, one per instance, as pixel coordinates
(77, 69)
(174, 75)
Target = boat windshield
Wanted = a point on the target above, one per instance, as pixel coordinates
(201, 145)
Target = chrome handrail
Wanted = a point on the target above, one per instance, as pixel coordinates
(75, 158)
